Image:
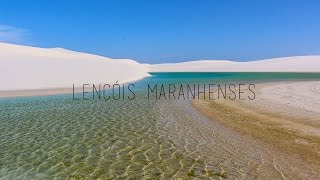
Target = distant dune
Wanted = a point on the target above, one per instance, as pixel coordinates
(28, 68)
(286, 64)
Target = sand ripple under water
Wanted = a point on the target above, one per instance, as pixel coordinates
(47, 137)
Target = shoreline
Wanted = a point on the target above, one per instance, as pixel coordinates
(38, 92)
(48, 91)
(291, 127)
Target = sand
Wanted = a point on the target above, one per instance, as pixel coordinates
(38, 92)
(284, 64)
(33, 68)
(284, 116)
(297, 102)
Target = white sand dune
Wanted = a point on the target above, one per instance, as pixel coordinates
(286, 64)
(24, 68)
(29, 68)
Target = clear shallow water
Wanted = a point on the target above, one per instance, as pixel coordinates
(55, 136)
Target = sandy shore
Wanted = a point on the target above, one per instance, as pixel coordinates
(297, 104)
(285, 116)
(38, 92)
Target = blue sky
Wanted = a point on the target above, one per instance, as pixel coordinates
(166, 30)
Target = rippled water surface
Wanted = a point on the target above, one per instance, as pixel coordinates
(55, 136)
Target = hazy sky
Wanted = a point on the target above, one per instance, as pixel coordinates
(152, 31)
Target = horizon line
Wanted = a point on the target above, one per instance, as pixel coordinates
(138, 61)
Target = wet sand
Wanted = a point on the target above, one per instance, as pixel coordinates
(42, 92)
(38, 92)
(284, 118)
